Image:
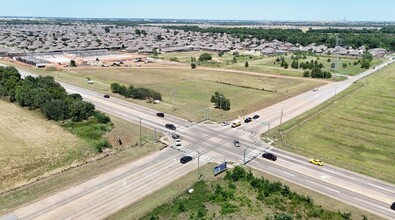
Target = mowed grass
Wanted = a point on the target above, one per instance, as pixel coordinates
(355, 132)
(193, 88)
(32, 146)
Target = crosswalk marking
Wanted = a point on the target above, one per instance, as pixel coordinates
(193, 153)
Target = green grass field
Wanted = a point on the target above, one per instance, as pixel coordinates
(194, 88)
(266, 64)
(355, 132)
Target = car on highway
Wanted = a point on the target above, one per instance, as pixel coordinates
(178, 144)
(106, 96)
(315, 89)
(170, 126)
(185, 159)
(225, 123)
(160, 114)
(175, 136)
(393, 206)
(316, 162)
(255, 117)
(269, 156)
(236, 143)
(248, 120)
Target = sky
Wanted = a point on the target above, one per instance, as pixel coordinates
(289, 10)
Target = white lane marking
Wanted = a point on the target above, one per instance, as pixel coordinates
(124, 183)
(289, 174)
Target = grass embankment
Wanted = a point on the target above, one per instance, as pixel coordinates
(31, 146)
(237, 196)
(193, 88)
(354, 132)
(129, 151)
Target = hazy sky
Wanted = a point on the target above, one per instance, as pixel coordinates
(353, 10)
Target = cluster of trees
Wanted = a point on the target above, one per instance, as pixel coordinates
(220, 101)
(240, 192)
(317, 73)
(47, 95)
(135, 93)
(205, 57)
(355, 38)
(283, 62)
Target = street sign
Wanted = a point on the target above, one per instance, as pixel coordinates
(220, 168)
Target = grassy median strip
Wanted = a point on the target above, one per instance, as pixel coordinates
(354, 132)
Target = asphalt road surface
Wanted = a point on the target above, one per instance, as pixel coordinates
(112, 191)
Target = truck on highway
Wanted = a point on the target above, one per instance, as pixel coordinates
(236, 123)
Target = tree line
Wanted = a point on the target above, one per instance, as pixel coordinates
(370, 38)
(47, 95)
(135, 93)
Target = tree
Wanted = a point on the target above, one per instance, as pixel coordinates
(285, 65)
(368, 56)
(333, 66)
(72, 63)
(81, 110)
(193, 65)
(137, 31)
(55, 109)
(234, 60)
(220, 101)
(329, 60)
(107, 29)
(344, 65)
(246, 64)
(204, 57)
(306, 73)
(193, 59)
(278, 59)
(365, 64)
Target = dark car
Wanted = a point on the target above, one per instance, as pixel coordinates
(255, 117)
(185, 159)
(175, 136)
(160, 114)
(106, 96)
(170, 126)
(248, 120)
(269, 156)
(393, 206)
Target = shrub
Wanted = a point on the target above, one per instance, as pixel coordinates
(102, 144)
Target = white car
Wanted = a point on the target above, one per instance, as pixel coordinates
(315, 89)
(225, 123)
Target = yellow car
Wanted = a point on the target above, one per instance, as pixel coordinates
(316, 162)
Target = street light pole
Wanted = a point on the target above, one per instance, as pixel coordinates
(281, 120)
(198, 165)
(244, 158)
(140, 132)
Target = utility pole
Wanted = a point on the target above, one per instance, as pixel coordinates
(281, 120)
(140, 132)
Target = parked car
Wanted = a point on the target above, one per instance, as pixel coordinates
(269, 156)
(160, 114)
(316, 162)
(255, 117)
(185, 159)
(393, 206)
(170, 126)
(178, 144)
(248, 120)
(236, 143)
(106, 96)
(315, 89)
